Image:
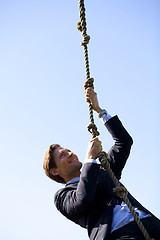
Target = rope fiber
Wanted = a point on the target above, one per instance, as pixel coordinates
(121, 191)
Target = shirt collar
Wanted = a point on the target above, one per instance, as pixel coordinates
(73, 180)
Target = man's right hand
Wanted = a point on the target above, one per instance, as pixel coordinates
(91, 95)
(94, 147)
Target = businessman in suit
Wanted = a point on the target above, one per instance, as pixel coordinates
(88, 198)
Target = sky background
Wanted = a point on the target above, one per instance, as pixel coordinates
(42, 102)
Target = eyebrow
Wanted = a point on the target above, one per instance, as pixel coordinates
(63, 151)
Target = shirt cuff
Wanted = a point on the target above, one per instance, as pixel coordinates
(105, 117)
(92, 161)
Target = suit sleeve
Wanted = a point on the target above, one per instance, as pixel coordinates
(71, 202)
(118, 154)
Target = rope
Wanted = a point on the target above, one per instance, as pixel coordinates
(92, 128)
(122, 192)
(119, 190)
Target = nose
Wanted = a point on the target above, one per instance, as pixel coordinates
(70, 154)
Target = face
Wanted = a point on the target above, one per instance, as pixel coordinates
(68, 165)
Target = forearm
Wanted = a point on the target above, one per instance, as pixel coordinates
(73, 202)
(120, 151)
(88, 180)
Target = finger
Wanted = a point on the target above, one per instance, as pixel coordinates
(87, 99)
(94, 139)
(89, 88)
(90, 96)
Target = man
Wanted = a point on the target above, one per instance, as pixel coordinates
(88, 198)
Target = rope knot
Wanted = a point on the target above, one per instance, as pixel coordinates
(120, 191)
(85, 41)
(89, 83)
(93, 129)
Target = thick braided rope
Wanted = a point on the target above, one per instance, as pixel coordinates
(119, 190)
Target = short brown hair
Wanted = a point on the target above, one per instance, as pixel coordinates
(49, 162)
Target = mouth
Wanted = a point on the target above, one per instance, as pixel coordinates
(74, 159)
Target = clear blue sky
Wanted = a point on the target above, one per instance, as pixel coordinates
(42, 102)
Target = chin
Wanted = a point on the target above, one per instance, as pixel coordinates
(80, 165)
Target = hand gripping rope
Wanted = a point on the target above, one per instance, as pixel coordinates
(119, 190)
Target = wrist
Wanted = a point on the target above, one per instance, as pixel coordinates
(98, 110)
(103, 111)
(90, 156)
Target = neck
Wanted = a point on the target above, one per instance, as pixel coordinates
(67, 179)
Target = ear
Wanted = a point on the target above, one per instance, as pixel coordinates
(54, 171)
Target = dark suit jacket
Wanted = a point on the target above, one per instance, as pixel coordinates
(90, 202)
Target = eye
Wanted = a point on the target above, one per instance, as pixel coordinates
(62, 154)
